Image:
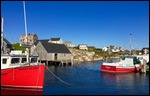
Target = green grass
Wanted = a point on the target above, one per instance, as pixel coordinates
(18, 47)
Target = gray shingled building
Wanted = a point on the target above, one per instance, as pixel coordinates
(7, 47)
(52, 52)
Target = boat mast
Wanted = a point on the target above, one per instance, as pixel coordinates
(27, 49)
(2, 32)
(130, 44)
(25, 18)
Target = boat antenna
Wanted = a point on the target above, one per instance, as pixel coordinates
(2, 32)
(130, 44)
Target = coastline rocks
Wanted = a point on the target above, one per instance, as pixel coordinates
(83, 56)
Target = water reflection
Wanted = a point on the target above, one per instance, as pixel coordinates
(20, 91)
(125, 82)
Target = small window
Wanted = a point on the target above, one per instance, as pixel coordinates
(4, 61)
(24, 60)
(15, 60)
(33, 60)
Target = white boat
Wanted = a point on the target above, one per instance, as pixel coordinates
(124, 65)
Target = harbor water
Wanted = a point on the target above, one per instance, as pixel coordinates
(87, 79)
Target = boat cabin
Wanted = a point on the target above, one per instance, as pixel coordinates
(129, 60)
(134, 58)
(125, 61)
(9, 61)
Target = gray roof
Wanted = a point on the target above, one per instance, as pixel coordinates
(55, 39)
(42, 41)
(55, 48)
(5, 40)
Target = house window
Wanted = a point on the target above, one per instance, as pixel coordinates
(4, 61)
(15, 60)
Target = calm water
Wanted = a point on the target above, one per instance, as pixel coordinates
(86, 78)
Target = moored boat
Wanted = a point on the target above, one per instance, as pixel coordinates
(21, 71)
(20, 91)
(124, 65)
(15, 72)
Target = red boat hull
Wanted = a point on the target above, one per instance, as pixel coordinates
(115, 69)
(20, 91)
(24, 77)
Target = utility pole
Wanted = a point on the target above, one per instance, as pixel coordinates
(2, 35)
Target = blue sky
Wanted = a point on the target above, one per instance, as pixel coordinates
(95, 23)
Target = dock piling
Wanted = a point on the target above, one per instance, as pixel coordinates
(143, 70)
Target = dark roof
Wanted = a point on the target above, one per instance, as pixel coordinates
(55, 39)
(145, 48)
(5, 40)
(55, 48)
(42, 41)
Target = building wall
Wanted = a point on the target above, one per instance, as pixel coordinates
(32, 38)
(43, 55)
(70, 45)
(50, 56)
(40, 51)
(60, 56)
(64, 56)
(6, 48)
(84, 47)
(57, 42)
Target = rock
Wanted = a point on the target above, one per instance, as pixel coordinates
(83, 55)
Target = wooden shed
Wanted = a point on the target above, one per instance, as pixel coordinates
(53, 53)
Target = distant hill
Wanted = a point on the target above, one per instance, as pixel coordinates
(18, 47)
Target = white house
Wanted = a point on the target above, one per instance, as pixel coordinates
(70, 45)
(112, 49)
(83, 46)
(115, 50)
(105, 49)
(55, 40)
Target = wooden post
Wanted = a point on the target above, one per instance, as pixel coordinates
(47, 62)
(144, 66)
(71, 60)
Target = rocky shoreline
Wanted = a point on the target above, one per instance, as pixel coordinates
(84, 56)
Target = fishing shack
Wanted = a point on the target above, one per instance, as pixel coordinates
(52, 53)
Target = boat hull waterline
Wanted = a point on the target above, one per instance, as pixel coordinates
(24, 77)
(116, 69)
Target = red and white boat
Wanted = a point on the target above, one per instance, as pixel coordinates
(16, 73)
(124, 65)
(20, 70)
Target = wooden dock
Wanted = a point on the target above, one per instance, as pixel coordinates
(58, 62)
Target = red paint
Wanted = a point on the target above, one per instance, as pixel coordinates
(19, 91)
(138, 68)
(25, 77)
(115, 69)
